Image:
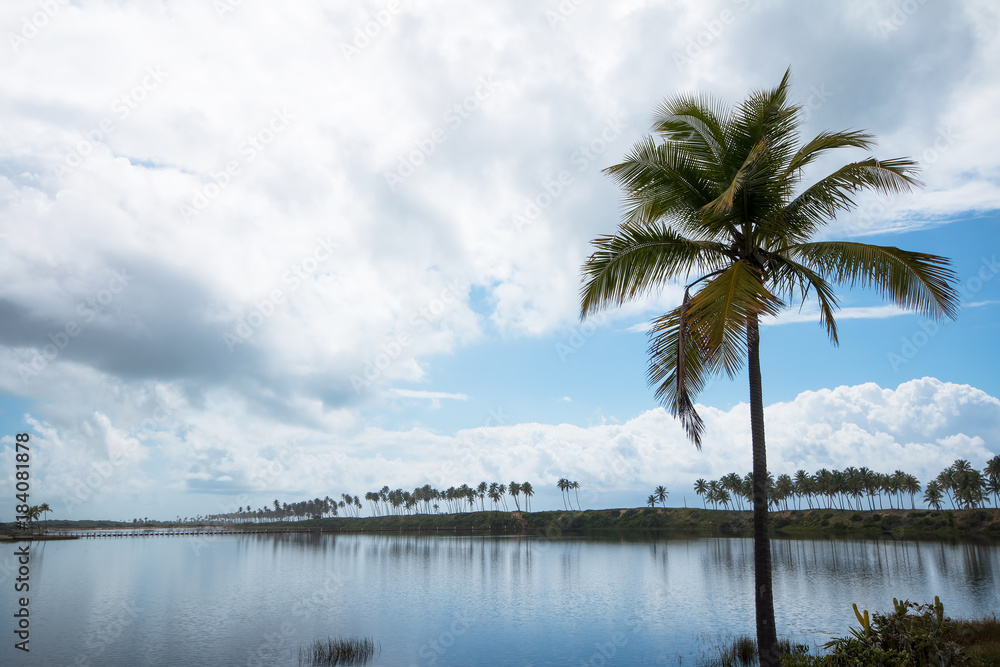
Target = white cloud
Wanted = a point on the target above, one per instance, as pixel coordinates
(119, 115)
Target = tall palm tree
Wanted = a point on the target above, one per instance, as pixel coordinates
(804, 486)
(45, 509)
(661, 494)
(720, 199)
(528, 492)
(701, 488)
(651, 501)
(992, 472)
(481, 494)
(576, 491)
(933, 494)
(515, 490)
(563, 485)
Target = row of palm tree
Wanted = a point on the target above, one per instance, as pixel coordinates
(565, 486)
(963, 485)
(384, 502)
(836, 489)
(35, 512)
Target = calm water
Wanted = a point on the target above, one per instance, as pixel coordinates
(254, 600)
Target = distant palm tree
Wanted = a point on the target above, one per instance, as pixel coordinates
(515, 490)
(992, 471)
(44, 509)
(651, 501)
(933, 494)
(528, 492)
(576, 491)
(661, 495)
(563, 485)
(701, 488)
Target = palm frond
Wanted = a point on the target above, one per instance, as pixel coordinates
(822, 201)
(912, 280)
(720, 310)
(638, 259)
(826, 141)
(679, 368)
(788, 275)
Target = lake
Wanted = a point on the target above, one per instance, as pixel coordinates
(253, 600)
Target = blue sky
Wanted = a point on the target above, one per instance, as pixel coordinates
(304, 251)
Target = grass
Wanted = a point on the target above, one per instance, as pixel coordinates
(339, 651)
(979, 639)
(735, 651)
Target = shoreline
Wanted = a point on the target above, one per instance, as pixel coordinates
(644, 522)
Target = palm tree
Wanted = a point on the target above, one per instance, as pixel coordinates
(720, 198)
(515, 490)
(528, 492)
(563, 485)
(933, 494)
(661, 494)
(576, 491)
(992, 471)
(804, 486)
(701, 488)
(45, 509)
(481, 494)
(651, 501)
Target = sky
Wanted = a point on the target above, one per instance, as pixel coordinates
(256, 251)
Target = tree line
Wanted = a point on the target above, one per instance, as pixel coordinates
(387, 502)
(852, 488)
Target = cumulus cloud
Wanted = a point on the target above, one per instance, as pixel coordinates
(207, 460)
(265, 219)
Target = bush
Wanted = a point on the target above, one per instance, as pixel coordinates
(899, 637)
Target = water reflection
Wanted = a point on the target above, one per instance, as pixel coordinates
(517, 600)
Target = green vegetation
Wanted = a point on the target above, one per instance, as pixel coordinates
(912, 635)
(965, 487)
(718, 197)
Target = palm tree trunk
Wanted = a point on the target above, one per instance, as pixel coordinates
(767, 637)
